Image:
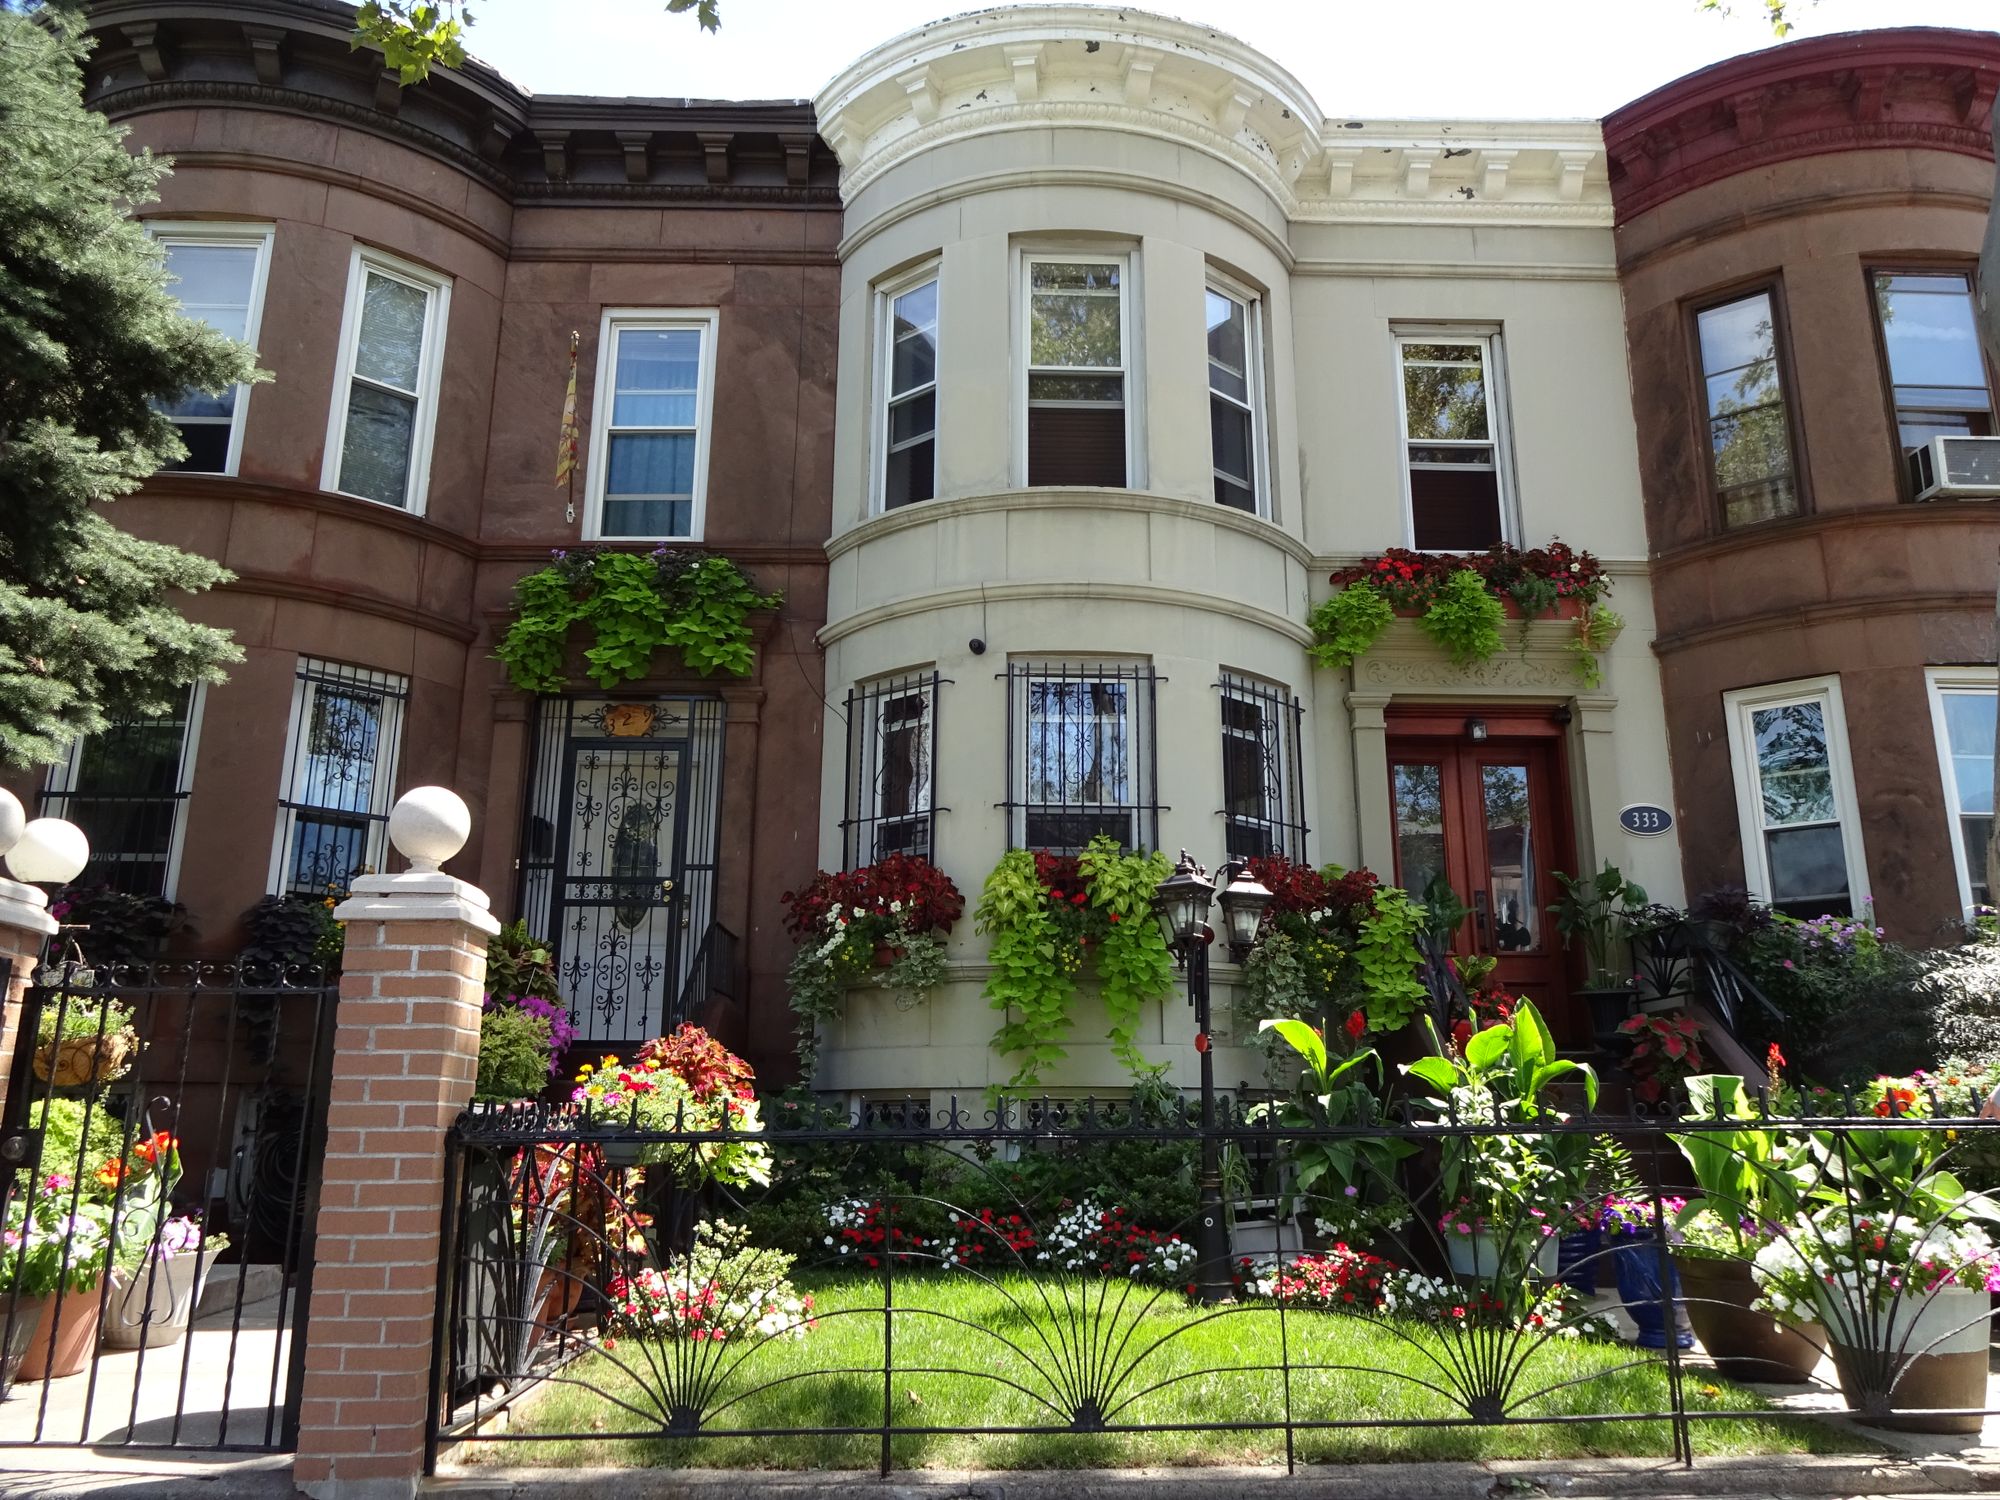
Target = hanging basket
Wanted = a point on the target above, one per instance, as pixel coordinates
(80, 1061)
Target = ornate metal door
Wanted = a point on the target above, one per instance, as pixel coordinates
(618, 858)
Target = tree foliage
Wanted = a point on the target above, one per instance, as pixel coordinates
(416, 35)
(90, 339)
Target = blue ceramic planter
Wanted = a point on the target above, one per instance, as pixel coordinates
(1638, 1265)
(1577, 1260)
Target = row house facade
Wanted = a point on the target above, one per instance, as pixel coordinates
(1049, 362)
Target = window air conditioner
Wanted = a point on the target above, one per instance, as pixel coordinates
(1955, 468)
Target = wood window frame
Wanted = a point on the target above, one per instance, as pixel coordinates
(617, 320)
(362, 262)
(1498, 415)
(887, 291)
(1771, 284)
(1938, 682)
(1917, 265)
(1131, 350)
(232, 234)
(1252, 302)
(1739, 704)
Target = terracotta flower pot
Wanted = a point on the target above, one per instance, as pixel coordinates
(79, 1060)
(1932, 1354)
(1745, 1345)
(886, 955)
(59, 1349)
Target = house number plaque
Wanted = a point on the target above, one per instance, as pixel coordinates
(1645, 820)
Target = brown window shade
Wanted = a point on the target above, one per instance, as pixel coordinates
(1076, 445)
(1455, 510)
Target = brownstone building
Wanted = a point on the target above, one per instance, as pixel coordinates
(1797, 231)
(410, 265)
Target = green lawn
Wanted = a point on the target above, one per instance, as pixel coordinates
(1027, 1352)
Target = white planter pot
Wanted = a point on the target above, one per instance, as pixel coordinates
(1480, 1254)
(1262, 1237)
(149, 1306)
(1950, 1321)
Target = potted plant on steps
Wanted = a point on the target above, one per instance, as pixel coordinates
(1899, 1264)
(1593, 910)
(58, 1244)
(1749, 1188)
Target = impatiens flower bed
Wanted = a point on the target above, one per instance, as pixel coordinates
(1870, 1261)
(656, 1305)
(1089, 1237)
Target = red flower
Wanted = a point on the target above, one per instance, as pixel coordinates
(1356, 1024)
(1774, 1060)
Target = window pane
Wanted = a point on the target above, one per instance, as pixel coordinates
(1512, 882)
(1737, 336)
(1078, 750)
(915, 338)
(391, 346)
(1977, 832)
(1074, 318)
(913, 418)
(1808, 869)
(1107, 390)
(1469, 455)
(911, 475)
(326, 851)
(375, 456)
(1928, 330)
(1968, 727)
(650, 464)
(1445, 401)
(904, 784)
(647, 518)
(218, 406)
(1419, 796)
(1793, 768)
(1230, 438)
(1751, 446)
(658, 373)
(338, 767)
(1455, 509)
(207, 448)
(126, 797)
(1228, 347)
(213, 283)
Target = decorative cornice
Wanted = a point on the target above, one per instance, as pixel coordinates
(1807, 616)
(1063, 592)
(347, 601)
(1815, 523)
(1539, 660)
(222, 487)
(1916, 88)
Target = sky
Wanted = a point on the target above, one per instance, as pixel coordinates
(1465, 59)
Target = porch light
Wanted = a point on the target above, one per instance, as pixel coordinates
(1180, 905)
(49, 852)
(1244, 899)
(1475, 730)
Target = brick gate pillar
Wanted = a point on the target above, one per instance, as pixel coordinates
(406, 1047)
(25, 926)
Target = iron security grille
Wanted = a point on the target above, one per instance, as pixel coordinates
(1263, 786)
(340, 775)
(127, 788)
(890, 804)
(1081, 759)
(618, 854)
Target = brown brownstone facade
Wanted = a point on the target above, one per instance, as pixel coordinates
(1805, 170)
(542, 213)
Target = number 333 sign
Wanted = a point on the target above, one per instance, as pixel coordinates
(1644, 819)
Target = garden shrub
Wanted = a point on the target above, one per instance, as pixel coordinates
(1854, 1004)
(1964, 985)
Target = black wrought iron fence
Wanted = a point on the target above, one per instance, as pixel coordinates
(1019, 1286)
(158, 1169)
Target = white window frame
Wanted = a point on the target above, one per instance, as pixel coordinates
(1285, 823)
(232, 235)
(1131, 349)
(707, 321)
(1499, 423)
(1252, 304)
(886, 294)
(880, 694)
(1133, 673)
(1938, 682)
(365, 261)
(1738, 706)
(62, 782)
(307, 679)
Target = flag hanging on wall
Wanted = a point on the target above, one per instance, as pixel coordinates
(566, 442)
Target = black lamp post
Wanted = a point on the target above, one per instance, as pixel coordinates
(1181, 907)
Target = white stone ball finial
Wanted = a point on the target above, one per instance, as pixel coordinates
(13, 818)
(428, 825)
(49, 852)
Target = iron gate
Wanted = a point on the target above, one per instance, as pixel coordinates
(619, 853)
(165, 1127)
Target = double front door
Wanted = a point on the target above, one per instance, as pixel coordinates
(1489, 818)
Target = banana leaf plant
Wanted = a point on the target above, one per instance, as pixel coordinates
(1335, 1093)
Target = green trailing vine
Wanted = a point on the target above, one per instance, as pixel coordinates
(636, 604)
(1388, 958)
(1595, 632)
(1346, 624)
(1464, 619)
(1045, 914)
(1031, 984)
(1133, 964)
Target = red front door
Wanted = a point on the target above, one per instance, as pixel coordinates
(1489, 817)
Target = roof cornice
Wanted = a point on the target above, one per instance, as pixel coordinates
(1910, 88)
